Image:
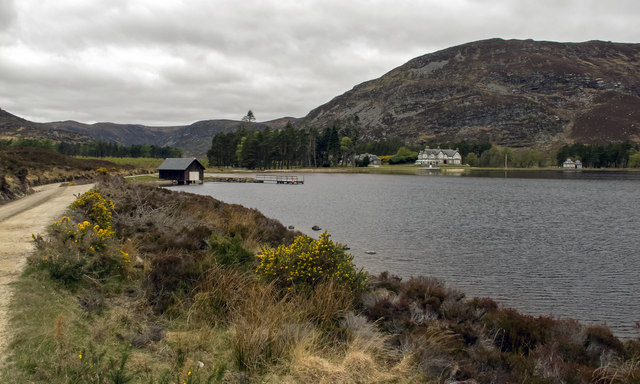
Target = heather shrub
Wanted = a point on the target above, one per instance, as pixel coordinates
(389, 282)
(515, 332)
(228, 251)
(428, 293)
(308, 262)
(170, 275)
(600, 336)
(392, 314)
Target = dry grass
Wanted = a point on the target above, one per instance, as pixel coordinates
(619, 371)
(178, 311)
(361, 363)
(326, 304)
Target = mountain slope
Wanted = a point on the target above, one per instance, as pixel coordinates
(125, 134)
(14, 128)
(193, 139)
(514, 93)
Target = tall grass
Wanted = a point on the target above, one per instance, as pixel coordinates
(190, 308)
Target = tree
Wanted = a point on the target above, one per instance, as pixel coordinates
(404, 155)
(249, 117)
(333, 145)
(472, 159)
(363, 163)
(249, 150)
(492, 157)
(634, 160)
(346, 147)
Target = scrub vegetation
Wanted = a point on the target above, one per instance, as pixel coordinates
(143, 285)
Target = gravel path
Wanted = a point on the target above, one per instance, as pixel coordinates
(18, 220)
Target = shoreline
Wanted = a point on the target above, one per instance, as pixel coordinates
(410, 170)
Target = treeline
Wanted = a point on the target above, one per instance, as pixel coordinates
(287, 148)
(332, 146)
(98, 148)
(496, 157)
(105, 149)
(337, 145)
(613, 155)
(465, 148)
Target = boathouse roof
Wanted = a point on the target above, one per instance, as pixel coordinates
(174, 163)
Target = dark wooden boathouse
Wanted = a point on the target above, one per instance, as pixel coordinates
(182, 170)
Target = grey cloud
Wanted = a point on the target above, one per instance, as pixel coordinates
(7, 14)
(176, 62)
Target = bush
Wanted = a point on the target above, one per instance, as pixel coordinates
(404, 155)
(95, 207)
(308, 262)
(364, 162)
(228, 251)
(515, 332)
(75, 250)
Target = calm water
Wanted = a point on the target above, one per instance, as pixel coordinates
(565, 246)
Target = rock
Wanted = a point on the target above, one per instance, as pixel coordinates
(316, 228)
(370, 252)
(291, 227)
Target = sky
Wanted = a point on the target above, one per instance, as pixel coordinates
(174, 62)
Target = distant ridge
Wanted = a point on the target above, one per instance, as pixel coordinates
(193, 139)
(13, 127)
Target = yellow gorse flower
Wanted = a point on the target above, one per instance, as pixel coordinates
(307, 261)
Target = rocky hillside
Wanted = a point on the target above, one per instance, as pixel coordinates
(13, 128)
(513, 93)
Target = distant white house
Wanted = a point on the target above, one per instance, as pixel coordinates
(373, 159)
(572, 164)
(433, 158)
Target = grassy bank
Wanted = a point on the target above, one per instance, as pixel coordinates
(144, 285)
(138, 162)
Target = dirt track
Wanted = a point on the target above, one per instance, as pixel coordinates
(18, 220)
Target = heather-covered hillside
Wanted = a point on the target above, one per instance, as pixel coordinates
(513, 93)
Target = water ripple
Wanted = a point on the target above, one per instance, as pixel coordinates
(561, 247)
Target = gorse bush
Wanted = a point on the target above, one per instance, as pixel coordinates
(82, 249)
(96, 207)
(307, 262)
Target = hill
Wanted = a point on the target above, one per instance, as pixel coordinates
(13, 128)
(193, 139)
(513, 93)
(517, 93)
(22, 168)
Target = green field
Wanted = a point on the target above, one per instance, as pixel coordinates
(140, 162)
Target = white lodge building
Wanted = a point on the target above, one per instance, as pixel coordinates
(436, 157)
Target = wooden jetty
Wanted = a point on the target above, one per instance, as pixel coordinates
(280, 179)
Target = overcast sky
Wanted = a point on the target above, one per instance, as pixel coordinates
(166, 62)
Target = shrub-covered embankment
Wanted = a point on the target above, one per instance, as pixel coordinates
(139, 284)
(22, 168)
